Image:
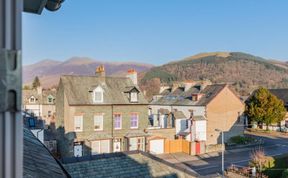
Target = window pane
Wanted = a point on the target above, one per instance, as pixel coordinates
(117, 121)
(78, 121)
(98, 122)
(134, 120)
(98, 96)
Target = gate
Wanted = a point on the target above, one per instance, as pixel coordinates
(177, 146)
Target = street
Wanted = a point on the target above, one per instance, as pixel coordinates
(208, 165)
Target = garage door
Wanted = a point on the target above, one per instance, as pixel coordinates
(157, 146)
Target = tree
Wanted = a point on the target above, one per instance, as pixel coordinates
(264, 107)
(36, 83)
(26, 87)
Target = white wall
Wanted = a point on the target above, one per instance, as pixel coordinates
(40, 134)
(199, 130)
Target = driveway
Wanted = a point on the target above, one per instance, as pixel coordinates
(210, 164)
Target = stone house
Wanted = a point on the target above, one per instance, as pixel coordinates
(40, 103)
(206, 107)
(99, 114)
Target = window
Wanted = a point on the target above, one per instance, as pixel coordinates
(78, 123)
(134, 120)
(117, 121)
(134, 97)
(98, 122)
(100, 146)
(50, 99)
(98, 95)
(32, 99)
(31, 122)
(49, 113)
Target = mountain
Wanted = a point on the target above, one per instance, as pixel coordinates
(243, 71)
(49, 71)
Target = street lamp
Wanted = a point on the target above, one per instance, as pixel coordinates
(222, 135)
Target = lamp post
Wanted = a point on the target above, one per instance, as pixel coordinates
(222, 140)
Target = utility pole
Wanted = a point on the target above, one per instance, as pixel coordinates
(222, 149)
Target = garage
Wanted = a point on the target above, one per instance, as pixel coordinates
(157, 146)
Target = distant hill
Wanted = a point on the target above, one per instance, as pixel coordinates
(49, 71)
(243, 71)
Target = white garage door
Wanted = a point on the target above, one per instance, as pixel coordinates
(157, 146)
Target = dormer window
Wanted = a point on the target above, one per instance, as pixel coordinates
(98, 95)
(134, 96)
(32, 99)
(50, 99)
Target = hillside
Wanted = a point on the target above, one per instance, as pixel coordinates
(50, 71)
(244, 71)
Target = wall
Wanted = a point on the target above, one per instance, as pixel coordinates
(199, 130)
(166, 133)
(222, 113)
(89, 134)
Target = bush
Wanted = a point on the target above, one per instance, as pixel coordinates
(285, 173)
(241, 140)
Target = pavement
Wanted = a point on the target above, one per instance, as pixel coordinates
(209, 165)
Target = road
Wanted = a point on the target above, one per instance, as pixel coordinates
(211, 165)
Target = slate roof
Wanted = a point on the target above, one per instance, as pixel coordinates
(40, 98)
(179, 115)
(281, 94)
(78, 89)
(184, 98)
(125, 165)
(38, 161)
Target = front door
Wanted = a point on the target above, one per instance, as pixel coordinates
(117, 145)
(78, 150)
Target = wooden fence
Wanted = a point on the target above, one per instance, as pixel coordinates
(177, 146)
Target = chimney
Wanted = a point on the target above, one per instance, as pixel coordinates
(100, 71)
(39, 90)
(132, 74)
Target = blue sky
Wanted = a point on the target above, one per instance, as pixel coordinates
(156, 31)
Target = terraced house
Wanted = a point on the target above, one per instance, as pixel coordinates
(197, 108)
(40, 103)
(99, 114)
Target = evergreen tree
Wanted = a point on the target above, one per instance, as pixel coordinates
(264, 107)
(36, 83)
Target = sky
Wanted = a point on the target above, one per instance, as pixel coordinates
(156, 31)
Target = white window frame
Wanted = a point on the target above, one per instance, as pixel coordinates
(131, 121)
(134, 97)
(120, 121)
(34, 101)
(50, 97)
(98, 90)
(99, 147)
(81, 124)
(101, 122)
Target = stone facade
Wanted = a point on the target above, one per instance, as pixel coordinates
(69, 106)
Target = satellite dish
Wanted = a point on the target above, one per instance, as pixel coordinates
(53, 5)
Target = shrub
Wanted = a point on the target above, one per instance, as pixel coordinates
(285, 173)
(242, 140)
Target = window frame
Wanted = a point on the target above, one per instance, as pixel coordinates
(120, 121)
(34, 100)
(98, 90)
(81, 125)
(137, 120)
(135, 98)
(101, 122)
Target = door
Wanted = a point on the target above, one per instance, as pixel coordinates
(198, 148)
(78, 150)
(117, 145)
(157, 146)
